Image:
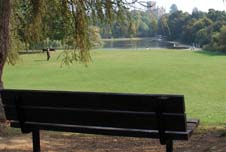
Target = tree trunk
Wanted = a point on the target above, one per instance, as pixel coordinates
(4, 44)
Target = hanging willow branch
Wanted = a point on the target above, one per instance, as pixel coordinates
(78, 15)
(81, 24)
(34, 26)
(84, 14)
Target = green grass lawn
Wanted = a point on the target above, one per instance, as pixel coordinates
(200, 76)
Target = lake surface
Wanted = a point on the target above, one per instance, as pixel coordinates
(142, 43)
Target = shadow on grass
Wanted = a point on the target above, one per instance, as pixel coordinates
(210, 53)
(30, 52)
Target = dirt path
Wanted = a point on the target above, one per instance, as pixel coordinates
(202, 141)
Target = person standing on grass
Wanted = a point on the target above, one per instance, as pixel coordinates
(48, 54)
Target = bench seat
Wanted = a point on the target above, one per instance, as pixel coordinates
(191, 125)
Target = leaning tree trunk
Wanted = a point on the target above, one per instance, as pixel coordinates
(4, 44)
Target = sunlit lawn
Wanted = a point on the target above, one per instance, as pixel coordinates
(201, 77)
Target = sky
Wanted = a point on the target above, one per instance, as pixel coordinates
(188, 5)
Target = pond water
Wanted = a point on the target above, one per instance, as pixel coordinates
(142, 43)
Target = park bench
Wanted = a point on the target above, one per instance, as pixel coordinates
(131, 115)
(50, 49)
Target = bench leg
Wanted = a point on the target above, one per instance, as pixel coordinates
(169, 146)
(36, 140)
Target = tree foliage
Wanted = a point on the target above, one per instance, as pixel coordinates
(138, 23)
(173, 8)
(201, 28)
(67, 20)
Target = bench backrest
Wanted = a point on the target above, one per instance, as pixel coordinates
(132, 111)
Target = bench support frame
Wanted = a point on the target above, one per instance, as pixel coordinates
(169, 146)
(36, 140)
(37, 147)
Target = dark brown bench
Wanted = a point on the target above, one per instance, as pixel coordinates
(133, 115)
(48, 49)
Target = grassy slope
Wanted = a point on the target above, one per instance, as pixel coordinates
(201, 77)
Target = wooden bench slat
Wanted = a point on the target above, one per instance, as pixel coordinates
(172, 135)
(191, 125)
(110, 101)
(123, 119)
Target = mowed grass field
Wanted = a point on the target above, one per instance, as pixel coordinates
(199, 76)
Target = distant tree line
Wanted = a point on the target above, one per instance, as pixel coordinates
(202, 29)
(207, 30)
(137, 24)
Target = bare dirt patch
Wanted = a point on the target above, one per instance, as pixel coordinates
(204, 140)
